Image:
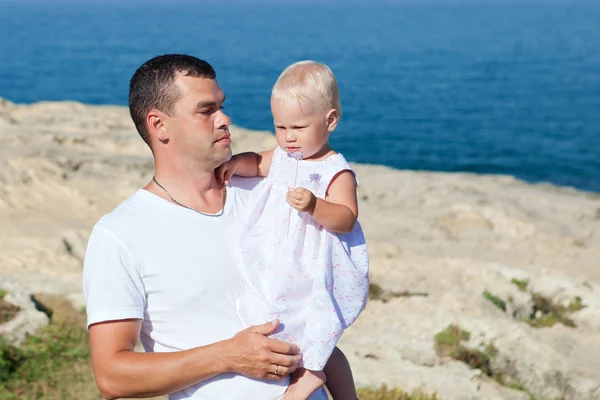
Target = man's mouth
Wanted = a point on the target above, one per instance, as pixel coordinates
(226, 139)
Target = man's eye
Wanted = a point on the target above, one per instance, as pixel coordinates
(211, 110)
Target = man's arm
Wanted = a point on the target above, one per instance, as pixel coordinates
(340, 381)
(121, 372)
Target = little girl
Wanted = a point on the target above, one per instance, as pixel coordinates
(303, 254)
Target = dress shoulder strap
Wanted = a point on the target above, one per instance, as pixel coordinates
(317, 176)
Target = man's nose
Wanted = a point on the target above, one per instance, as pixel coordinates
(222, 121)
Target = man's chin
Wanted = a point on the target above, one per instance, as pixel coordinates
(227, 156)
(223, 157)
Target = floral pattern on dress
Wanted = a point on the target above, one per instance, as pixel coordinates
(313, 280)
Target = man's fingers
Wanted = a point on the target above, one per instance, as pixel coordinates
(277, 346)
(274, 377)
(283, 371)
(264, 329)
(285, 361)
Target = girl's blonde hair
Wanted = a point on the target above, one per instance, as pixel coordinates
(309, 80)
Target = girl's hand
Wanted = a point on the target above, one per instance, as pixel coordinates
(302, 200)
(225, 171)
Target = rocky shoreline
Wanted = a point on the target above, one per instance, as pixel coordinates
(514, 266)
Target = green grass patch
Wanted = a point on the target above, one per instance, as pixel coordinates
(383, 393)
(497, 301)
(520, 283)
(517, 386)
(52, 364)
(3, 293)
(448, 340)
(575, 305)
(448, 344)
(545, 313)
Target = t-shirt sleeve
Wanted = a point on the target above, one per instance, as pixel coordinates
(112, 284)
(245, 186)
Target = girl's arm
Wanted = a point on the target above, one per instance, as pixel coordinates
(247, 164)
(338, 213)
(340, 381)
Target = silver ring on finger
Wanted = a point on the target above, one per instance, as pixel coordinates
(277, 370)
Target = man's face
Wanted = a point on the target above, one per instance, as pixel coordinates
(198, 126)
(300, 126)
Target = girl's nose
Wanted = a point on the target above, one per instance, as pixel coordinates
(290, 137)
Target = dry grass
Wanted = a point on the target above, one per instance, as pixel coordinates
(383, 393)
(377, 293)
(7, 311)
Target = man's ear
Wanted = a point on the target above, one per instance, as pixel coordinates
(156, 122)
(332, 119)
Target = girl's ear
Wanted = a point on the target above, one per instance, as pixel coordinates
(332, 119)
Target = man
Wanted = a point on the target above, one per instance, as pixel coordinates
(160, 266)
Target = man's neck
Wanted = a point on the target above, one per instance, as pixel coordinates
(197, 188)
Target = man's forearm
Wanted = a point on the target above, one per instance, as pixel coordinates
(120, 372)
(132, 374)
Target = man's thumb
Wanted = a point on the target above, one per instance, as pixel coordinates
(266, 329)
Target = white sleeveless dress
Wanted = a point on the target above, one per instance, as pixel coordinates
(313, 280)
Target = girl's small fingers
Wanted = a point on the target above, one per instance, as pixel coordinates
(295, 196)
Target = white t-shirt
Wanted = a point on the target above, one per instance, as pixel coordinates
(173, 268)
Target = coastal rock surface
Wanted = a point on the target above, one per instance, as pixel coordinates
(514, 266)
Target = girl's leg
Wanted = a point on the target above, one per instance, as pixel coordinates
(340, 381)
(304, 382)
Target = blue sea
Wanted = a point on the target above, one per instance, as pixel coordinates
(509, 87)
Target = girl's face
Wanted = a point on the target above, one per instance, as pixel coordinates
(301, 126)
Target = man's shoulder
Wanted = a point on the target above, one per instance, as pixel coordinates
(242, 188)
(237, 183)
(124, 216)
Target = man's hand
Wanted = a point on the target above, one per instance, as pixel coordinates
(254, 355)
(226, 170)
(302, 200)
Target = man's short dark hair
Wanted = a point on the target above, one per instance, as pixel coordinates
(152, 86)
